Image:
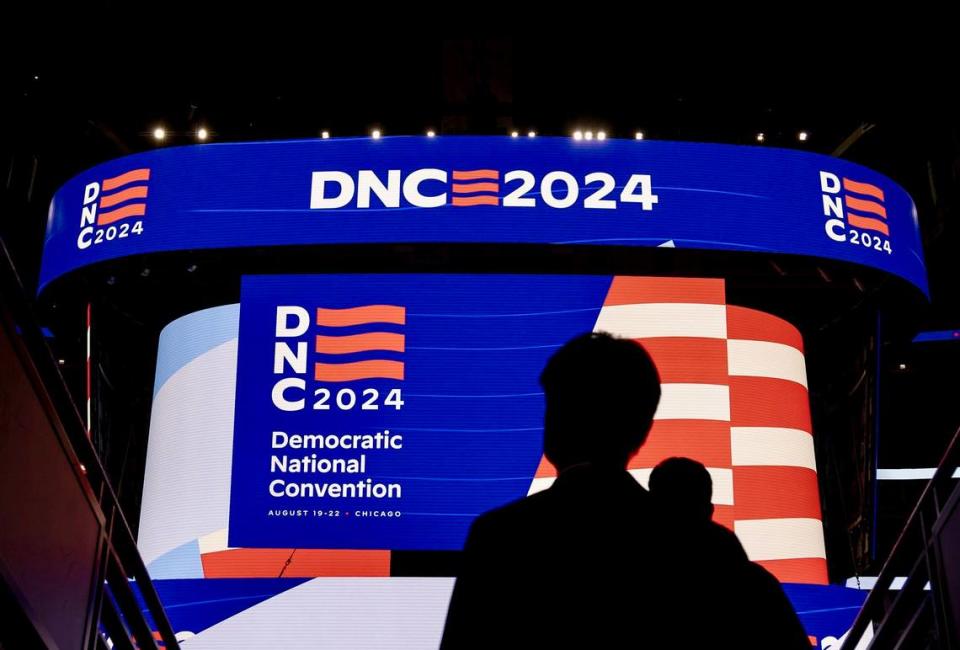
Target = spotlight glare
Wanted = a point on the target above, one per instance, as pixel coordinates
(760, 137)
(431, 133)
(601, 135)
(639, 135)
(325, 135)
(375, 134)
(588, 135)
(531, 134)
(202, 134)
(159, 134)
(578, 135)
(515, 134)
(802, 136)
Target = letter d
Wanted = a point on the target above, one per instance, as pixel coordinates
(283, 319)
(320, 202)
(829, 183)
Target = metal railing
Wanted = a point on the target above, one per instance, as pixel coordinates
(917, 615)
(116, 618)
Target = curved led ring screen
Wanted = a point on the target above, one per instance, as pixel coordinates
(408, 404)
(484, 190)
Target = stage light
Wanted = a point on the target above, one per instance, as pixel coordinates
(802, 136)
(159, 134)
(515, 134)
(325, 135)
(375, 134)
(588, 135)
(531, 134)
(431, 133)
(191, 268)
(903, 366)
(202, 134)
(601, 135)
(760, 137)
(578, 135)
(638, 135)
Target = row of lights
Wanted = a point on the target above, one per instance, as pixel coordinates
(202, 135)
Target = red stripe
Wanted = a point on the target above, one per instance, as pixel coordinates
(689, 360)
(472, 175)
(724, 515)
(776, 493)
(108, 200)
(808, 570)
(629, 290)
(362, 315)
(306, 563)
(707, 441)
(134, 176)
(469, 188)
(475, 200)
(863, 188)
(360, 343)
(343, 372)
(545, 469)
(865, 206)
(132, 210)
(753, 325)
(768, 402)
(866, 223)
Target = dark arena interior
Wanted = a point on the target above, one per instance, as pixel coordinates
(188, 218)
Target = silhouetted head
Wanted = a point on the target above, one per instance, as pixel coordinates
(684, 488)
(601, 394)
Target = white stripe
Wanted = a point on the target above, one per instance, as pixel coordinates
(910, 474)
(541, 484)
(781, 539)
(722, 482)
(215, 541)
(869, 582)
(766, 359)
(694, 402)
(664, 319)
(772, 446)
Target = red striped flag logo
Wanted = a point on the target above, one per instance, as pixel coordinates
(475, 187)
(338, 371)
(127, 196)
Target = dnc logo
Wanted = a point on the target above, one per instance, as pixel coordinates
(520, 188)
(357, 344)
(855, 212)
(114, 200)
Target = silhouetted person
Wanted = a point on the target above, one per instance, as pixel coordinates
(575, 564)
(748, 602)
(682, 491)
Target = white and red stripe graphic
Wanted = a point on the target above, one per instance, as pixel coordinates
(735, 399)
(346, 371)
(128, 198)
(475, 187)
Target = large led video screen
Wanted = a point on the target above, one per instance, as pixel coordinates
(302, 437)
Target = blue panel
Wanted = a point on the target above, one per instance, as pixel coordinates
(472, 411)
(181, 562)
(708, 196)
(188, 337)
(942, 335)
